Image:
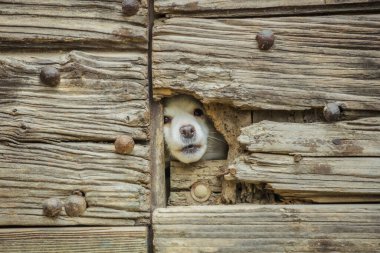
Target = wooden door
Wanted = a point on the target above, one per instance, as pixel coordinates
(301, 118)
(74, 77)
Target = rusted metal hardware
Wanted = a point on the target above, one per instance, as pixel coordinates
(52, 207)
(50, 75)
(130, 7)
(75, 205)
(124, 144)
(297, 158)
(265, 39)
(200, 191)
(332, 112)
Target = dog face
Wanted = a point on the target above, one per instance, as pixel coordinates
(185, 128)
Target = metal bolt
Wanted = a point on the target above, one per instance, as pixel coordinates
(200, 191)
(331, 112)
(52, 207)
(265, 39)
(130, 7)
(337, 142)
(124, 144)
(297, 158)
(50, 76)
(75, 205)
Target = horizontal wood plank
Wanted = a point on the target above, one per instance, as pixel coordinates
(51, 24)
(314, 60)
(347, 138)
(100, 96)
(338, 162)
(269, 228)
(116, 187)
(63, 240)
(242, 8)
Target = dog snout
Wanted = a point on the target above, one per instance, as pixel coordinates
(187, 131)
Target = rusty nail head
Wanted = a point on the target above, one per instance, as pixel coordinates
(265, 39)
(50, 75)
(332, 112)
(337, 141)
(75, 205)
(52, 207)
(130, 7)
(297, 158)
(124, 144)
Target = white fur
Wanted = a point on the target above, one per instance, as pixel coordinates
(181, 111)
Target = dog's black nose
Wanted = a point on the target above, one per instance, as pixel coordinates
(187, 131)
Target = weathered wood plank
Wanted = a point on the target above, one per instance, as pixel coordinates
(242, 8)
(100, 96)
(347, 138)
(316, 162)
(116, 187)
(51, 24)
(315, 60)
(63, 240)
(184, 176)
(269, 228)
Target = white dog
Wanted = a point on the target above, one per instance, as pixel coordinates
(189, 134)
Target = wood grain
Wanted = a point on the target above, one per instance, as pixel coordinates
(101, 95)
(70, 24)
(242, 8)
(338, 162)
(315, 60)
(116, 187)
(63, 240)
(269, 228)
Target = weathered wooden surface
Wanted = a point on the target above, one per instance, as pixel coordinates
(101, 95)
(315, 60)
(242, 8)
(183, 176)
(63, 240)
(269, 228)
(116, 187)
(52, 24)
(159, 197)
(338, 162)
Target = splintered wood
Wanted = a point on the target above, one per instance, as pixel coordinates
(320, 162)
(267, 228)
(314, 60)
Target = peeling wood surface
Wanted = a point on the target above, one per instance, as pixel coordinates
(101, 95)
(269, 228)
(242, 8)
(116, 187)
(51, 24)
(337, 162)
(315, 60)
(63, 240)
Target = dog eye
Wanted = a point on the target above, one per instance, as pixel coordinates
(198, 112)
(167, 119)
